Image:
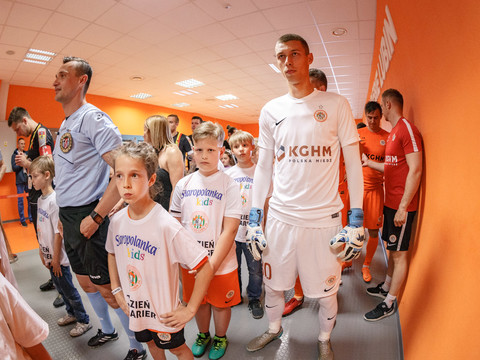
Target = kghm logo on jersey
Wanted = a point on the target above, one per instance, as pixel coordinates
(280, 153)
(134, 278)
(199, 221)
(320, 115)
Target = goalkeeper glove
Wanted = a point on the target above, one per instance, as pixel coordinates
(352, 236)
(255, 238)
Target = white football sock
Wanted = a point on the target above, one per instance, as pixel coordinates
(326, 315)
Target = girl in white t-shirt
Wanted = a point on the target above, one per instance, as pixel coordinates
(145, 245)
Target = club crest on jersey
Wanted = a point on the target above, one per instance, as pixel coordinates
(392, 238)
(199, 221)
(320, 115)
(134, 277)
(382, 142)
(66, 142)
(230, 294)
(244, 199)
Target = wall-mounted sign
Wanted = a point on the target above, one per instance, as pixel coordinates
(387, 42)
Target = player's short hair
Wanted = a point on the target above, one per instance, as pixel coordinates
(231, 130)
(210, 130)
(394, 96)
(371, 106)
(294, 37)
(198, 118)
(42, 164)
(82, 67)
(20, 138)
(240, 136)
(177, 120)
(361, 125)
(16, 115)
(145, 153)
(160, 135)
(319, 75)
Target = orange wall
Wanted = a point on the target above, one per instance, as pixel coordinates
(435, 66)
(127, 115)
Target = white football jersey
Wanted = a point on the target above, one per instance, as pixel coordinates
(202, 202)
(47, 227)
(306, 136)
(147, 253)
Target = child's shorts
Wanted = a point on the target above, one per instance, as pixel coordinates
(223, 292)
(163, 340)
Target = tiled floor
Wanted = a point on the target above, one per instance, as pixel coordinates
(353, 338)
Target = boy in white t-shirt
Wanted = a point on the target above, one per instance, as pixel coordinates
(52, 251)
(145, 245)
(241, 143)
(208, 205)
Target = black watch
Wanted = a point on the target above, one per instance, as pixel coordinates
(96, 217)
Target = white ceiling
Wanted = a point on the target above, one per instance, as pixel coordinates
(225, 44)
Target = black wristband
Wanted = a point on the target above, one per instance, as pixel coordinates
(96, 217)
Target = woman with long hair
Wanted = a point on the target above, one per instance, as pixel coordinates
(170, 160)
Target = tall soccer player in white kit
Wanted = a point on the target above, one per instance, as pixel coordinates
(304, 131)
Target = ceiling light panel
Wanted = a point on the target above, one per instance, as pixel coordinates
(141, 96)
(190, 83)
(181, 104)
(226, 97)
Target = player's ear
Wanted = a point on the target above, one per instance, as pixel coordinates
(310, 58)
(222, 151)
(152, 179)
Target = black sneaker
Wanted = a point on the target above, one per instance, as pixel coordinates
(24, 224)
(256, 308)
(47, 286)
(377, 291)
(381, 311)
(133, 354)
(58, 301)
(102, 338)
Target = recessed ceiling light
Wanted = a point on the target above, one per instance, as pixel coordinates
(10, 52)
(141, 96)
(38, 56)
(42, 52)
(35, 61)
(226, 97)
(339, 31)
(181, 104)
(190, 83)
(185, 92)
(228, 106)
(137, 78)
(274, 68)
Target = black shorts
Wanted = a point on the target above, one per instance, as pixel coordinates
(397, 238)
(86, 256)
(163, 340)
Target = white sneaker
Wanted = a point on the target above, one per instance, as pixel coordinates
(66, 320)
(80, 329)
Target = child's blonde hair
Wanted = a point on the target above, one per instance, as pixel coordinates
(240, 136)
(210, 130)
(146, 153)
(42, 164)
